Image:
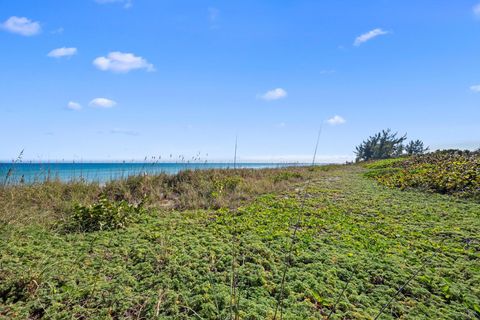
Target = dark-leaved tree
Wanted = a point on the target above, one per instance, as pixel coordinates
(415, 147)
(382, 145)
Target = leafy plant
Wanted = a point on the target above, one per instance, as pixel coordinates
(285, 176)
(104, 215)
(449, 172)
(357, 243)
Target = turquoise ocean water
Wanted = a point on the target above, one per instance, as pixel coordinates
(13, 173)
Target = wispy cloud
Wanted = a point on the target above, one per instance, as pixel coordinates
(72, 105)
(102, 103)
(476, 10)
(302, 158)
(123, 131)
(336, 120)
(274, 94)
(57, 31)
(213, 17)
(62, 52)
(126, 3)
(213, 14)
(475, 88)
(120, 62)
(327, 71)
(22, 26)
(369, 36)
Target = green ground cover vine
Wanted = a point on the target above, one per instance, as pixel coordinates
(175, 264)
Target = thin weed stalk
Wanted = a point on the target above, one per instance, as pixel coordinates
(337, 301)
(293, 239)
(234, 276)
(12, 168)
(235, 155)
(413, 276)
(316, 145)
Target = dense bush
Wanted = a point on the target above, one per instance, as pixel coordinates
(104, 215)
(285, 176)
(415, 147)
(448, 172)
(385, 145)
(381, 145)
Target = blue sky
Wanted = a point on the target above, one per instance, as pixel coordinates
(118, 79)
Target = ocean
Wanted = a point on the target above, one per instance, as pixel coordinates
(33, 172)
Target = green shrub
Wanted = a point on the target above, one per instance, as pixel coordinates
(382, 172)
(104, 215)
(386, 163)
(286, 175)
(446, 172)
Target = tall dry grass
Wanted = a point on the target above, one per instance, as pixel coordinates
(49, 201)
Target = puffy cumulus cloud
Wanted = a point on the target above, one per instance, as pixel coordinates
(22, 26)
(102, 103)
(62, 52)
(336, 120)
(274, 94)
(72, 105)
(122, 62)
(369, 36)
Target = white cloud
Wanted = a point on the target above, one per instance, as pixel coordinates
(22, 26)
(274, 94)
(476, 9)
(102, 103)
(475, 88)
(368, 36)
(72, 105)
(62, 52)
(336, 120)
(122, 62)
(126, 3)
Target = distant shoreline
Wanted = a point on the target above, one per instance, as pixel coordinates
(38, 172)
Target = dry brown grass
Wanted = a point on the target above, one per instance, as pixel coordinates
(191, 189)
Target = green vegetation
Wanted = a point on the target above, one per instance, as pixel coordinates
(103, 215)
(202, 259)
(415, 147)
(51, 201)
(386, 144)
(448, 172)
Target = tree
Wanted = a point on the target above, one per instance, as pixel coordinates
(415, 147)
(382, 145)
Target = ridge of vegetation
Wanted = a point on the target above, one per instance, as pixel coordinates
(451, 172)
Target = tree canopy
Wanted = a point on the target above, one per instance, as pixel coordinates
(387, 144)
(415, 147)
